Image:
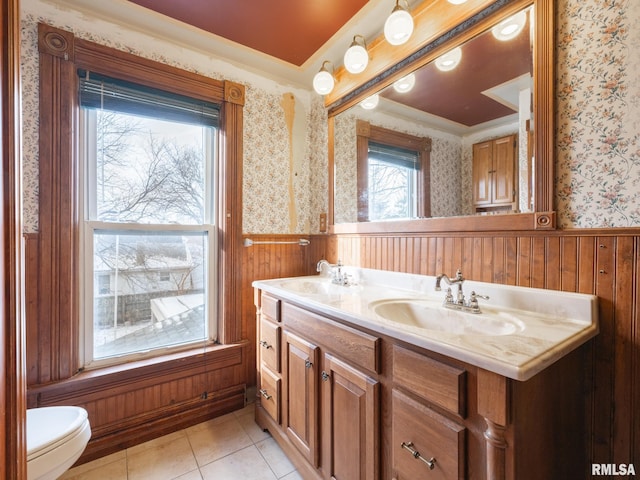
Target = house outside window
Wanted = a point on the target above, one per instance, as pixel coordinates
(149, 209)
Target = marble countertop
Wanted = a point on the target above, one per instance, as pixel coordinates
(551, 323)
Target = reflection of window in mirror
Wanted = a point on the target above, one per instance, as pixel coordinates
(393, 174)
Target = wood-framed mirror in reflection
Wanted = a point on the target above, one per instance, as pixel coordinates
(497, 102)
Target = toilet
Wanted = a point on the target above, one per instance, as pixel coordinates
(56, 437)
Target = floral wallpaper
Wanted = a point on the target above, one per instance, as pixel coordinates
(267, 168)
(598, 119)
(597, 164)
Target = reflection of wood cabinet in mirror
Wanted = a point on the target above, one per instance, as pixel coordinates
(527, 93)
(494, 175)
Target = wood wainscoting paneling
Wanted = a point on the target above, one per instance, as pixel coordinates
(277, 257)
(603, 262)
(127, 406)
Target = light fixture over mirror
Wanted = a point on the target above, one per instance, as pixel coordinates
(323, 81)
(529, 124)
(405, 84)
(399, 24)
(371, 102)
(449, 60)
(356, 58)
(511, 27)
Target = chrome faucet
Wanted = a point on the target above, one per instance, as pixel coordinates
(338, 277)
(458, 280)
(321, 264)
(458, 303)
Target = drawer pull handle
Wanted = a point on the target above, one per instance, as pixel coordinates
(308, 364)
(325, 376)
(265, 344)
(409, 446)
(264, 393)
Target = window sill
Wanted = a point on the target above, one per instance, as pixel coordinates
(138, 374)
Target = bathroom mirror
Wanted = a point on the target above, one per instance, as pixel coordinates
(491, 91)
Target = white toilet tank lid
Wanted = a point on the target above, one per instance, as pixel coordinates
(49, 426)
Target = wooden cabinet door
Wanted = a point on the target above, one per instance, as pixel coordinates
(300, 399)
(504, 170)
(350, 421)
(482, 172)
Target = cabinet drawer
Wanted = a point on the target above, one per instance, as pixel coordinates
(435, 438)
(434, 381)
(360, 348)
(270, 307)
(269, 344)
(270, 392)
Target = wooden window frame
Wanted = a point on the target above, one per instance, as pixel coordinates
(365, 132)
(61, 54)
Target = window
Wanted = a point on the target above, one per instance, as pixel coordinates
(392, 178)
(149, 233)
(393, 174)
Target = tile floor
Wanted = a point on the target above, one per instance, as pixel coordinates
(231, 447)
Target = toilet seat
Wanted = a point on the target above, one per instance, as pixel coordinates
(51, 427)
(56, 437)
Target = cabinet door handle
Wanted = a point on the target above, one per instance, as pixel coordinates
(325, 376)
(264, 393)
(265, 344)
(308, 363)
(409, 446)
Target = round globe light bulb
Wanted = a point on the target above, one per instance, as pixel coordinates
(323, 82)
(371, 102)
(510, 28)
(405, 83)
(449, 60)
(398, 27)
(356, 58)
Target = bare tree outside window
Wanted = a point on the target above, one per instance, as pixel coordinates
(148, 171)
(391, 190)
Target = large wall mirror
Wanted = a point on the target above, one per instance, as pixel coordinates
(457, 136)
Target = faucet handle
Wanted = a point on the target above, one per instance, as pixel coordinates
(449, 296)
(473, 300)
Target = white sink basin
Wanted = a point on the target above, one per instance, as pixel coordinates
(308, 287)
(318, 286)
(431, 315)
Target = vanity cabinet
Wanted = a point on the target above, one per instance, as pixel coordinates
(348, 403)
(494, 174)
(329, 412)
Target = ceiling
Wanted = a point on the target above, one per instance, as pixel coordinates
(287, 40)
(290, 30)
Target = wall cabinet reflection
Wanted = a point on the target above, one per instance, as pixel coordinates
(494, 175)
